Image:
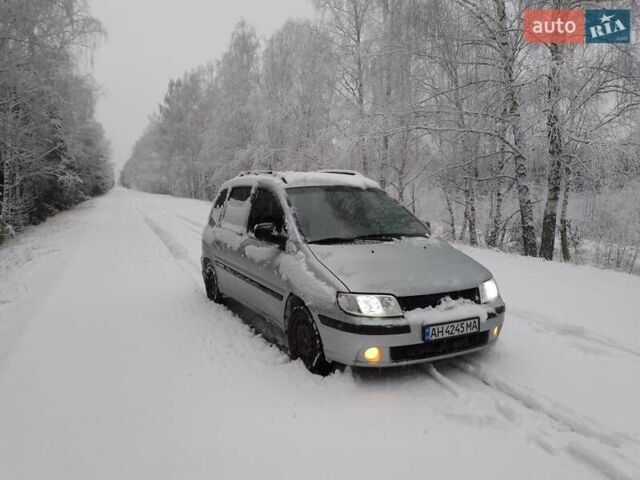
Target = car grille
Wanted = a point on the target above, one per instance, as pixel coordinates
(438, 348)
(432, 300)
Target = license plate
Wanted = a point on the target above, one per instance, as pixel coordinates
(452, 329)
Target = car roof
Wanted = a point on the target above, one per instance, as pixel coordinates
(289, 179)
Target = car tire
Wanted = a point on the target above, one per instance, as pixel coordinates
(211, 284)
(305, 342)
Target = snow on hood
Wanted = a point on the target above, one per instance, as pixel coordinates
(410, 266)
(448, 310)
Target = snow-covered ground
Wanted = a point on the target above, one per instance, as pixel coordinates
(113, 365)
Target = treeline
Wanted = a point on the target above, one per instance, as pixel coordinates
(53, 152)
(500, 142)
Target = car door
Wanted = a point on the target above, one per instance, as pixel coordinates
(262, 258)
(229, 235)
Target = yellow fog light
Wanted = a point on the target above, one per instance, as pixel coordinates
(373, 355)
(496, 331)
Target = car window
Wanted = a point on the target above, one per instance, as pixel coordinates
(214, 216)
(237, 209)
(222, 196)
(266, 208)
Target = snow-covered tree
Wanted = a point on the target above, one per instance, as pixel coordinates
(498, 141)
(53, 153)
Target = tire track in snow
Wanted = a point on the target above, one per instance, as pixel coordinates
(472, 407)
(576, 332)
(177, 250)
(445, 382)
(196, 226)
(581, 425)
(192, 226)
(597, 462)
(585, 439)
(199, 225)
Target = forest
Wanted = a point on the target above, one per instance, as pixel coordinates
(53, 152)
(532, 149)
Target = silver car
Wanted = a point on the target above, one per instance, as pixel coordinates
(349, 275)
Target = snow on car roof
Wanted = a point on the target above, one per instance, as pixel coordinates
(308, 179)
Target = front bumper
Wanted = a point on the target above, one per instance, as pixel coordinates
(401, 343)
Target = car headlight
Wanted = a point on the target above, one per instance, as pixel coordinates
(489, 291)
(369, 305)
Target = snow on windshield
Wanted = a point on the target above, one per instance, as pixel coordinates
(325, 178)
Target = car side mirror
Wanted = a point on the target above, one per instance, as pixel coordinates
(267, 232)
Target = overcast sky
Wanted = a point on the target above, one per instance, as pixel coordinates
(151, 41)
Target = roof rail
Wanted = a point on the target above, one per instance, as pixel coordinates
(255, 172)
(340, 172)
(263, 172)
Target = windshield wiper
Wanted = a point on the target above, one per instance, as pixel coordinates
(330, 240)
(382, 236)
(371, 236)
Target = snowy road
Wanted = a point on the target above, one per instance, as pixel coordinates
(113, 365)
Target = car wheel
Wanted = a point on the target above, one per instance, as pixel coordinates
(211, 285)
(305, 342)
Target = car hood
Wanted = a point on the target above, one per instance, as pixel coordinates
(410, 266)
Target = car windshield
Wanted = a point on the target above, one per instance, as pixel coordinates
(335, 214)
